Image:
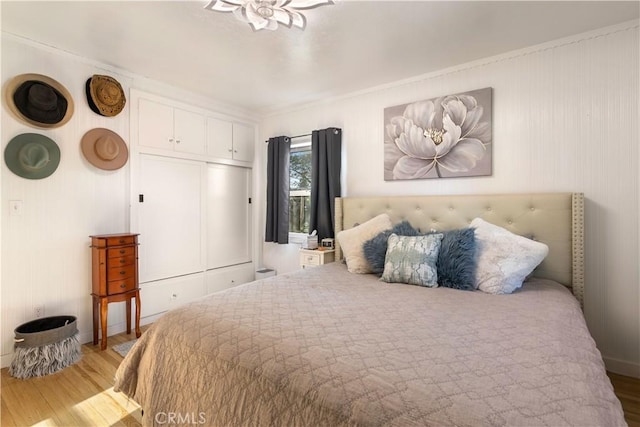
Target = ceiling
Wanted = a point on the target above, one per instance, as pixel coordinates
(347, 47)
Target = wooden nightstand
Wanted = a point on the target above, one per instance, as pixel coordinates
(314, 257)
(114, 260)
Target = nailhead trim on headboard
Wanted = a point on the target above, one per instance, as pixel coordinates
(577, 241)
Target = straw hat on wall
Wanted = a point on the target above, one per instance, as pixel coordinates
(105, 95)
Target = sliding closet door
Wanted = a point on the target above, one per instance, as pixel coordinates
(170, 217)
(228, 215)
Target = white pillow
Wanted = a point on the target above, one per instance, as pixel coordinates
(351, 242)
(504, 259)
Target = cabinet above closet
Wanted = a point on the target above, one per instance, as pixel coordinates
(170, 128)
(230, 140)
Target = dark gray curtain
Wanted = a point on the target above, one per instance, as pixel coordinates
(278, 190)
(326, 149)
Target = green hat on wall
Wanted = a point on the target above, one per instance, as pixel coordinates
(32, 156)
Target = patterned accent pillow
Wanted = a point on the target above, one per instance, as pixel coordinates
(351, 242)
(375, 250)
(412, 260)
(504, 259)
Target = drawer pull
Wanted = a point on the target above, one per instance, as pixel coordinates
(123, 286)
(122, 251)
(122, 273)
(309, 258)
(121, 240)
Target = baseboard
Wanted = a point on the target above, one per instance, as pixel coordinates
(118, 328)
(622, 367)
(6, 360)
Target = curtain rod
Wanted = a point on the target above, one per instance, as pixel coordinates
(293, 137)
(335, 130)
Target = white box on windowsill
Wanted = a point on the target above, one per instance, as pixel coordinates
(311, 242)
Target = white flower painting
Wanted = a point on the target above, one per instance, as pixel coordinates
(441, 137)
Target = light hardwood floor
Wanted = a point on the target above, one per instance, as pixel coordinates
(628, 391)
(82, 395)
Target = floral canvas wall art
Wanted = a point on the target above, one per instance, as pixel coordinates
(443, 137)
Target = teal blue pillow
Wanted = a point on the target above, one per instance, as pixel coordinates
(457, 259)
(375, 250)
(412, 260)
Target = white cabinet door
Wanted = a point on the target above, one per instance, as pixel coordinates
(155, 125)
(243, 142)
(189, 132)
(170, 217)
(228, 215)
(219, 138)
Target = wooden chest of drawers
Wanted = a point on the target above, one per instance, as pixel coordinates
(114, 261)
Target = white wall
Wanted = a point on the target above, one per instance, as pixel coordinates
(45, 251)
(565, 118)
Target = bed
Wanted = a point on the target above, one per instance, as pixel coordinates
(324, 346)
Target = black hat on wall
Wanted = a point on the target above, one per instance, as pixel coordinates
(39, 101)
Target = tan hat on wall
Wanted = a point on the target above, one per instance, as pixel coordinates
(39, 100)
(104, 149)
(105, 95)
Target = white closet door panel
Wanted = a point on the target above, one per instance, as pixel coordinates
(243, 142)
(228, 215)
(219, 138)
(189, 132)
(155, 125)
(170, 217)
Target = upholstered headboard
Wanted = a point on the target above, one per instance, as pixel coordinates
(556, 219)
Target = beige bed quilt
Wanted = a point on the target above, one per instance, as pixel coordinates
(326, 347)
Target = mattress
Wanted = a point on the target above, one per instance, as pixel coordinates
(322, 346)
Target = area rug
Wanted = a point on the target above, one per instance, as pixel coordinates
(123, 349)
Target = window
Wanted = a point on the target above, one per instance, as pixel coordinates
(299, 187)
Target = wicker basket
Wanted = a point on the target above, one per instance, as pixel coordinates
(44, 346)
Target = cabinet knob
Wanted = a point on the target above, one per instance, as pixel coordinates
(177, 141)
(230, 150)
(122, 273)
(121, 251)
(121, 240)
(235, 151)
(123, 286)
(171, 139)
(122, 261)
